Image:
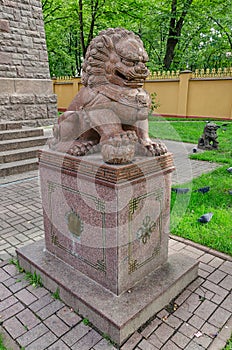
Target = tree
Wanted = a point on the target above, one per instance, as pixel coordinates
(175, 28)
(176, 34)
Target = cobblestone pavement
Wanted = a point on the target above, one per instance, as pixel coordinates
(31, 318)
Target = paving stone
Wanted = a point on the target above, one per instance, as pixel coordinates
(174, 321)
(56, 325)
(226, 267)
(180, 339)
(18, 284)
(217, 299)
(188, 330)
(182, 297)
(183, 313)
(195, 284)
(43, 342)
(6, 303)
(50, 309)
(203, 273)
(210, 330)
(59, 345)
(132, 341)
(41, 303)
(88, 341)
(219, 317)
(205, 309)
(217, 276)
(170, 346)
(161, 335)
(4, 292)
(38, 292)
(178, 246)
(163, 314)
(206, 267)
(226, 283)
(192, 302)
(227, 303)
(146, 345)
(206, 258)
(216, 262)
(151, 327)
(11, 311)
(196, 321)
(32, 335)
(75, 334)
(193, 346)
(25, 296)
(68, 316)
(14, 327)
(28, 319)
(203, 340)
(3, 275)
(103, 345)
(215, 288)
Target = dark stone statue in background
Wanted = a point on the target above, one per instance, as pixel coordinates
(208, 140)
(111, 110)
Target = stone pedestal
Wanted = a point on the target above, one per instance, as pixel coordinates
(106, 239)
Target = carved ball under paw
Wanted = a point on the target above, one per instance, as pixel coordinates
(119, 149)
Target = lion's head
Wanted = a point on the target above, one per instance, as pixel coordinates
(210, 131)
(115, 56)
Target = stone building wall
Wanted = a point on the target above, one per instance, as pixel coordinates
(25, 84)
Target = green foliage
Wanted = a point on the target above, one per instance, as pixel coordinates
(2, 346)
(228, 344)
(56, 294)
(17, 265)
(86, 321)
(34, 279)
(204, 40)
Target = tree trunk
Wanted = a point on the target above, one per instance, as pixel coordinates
(174, 33)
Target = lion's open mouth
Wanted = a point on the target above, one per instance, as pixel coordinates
(131, 79)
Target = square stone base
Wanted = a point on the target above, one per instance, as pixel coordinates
(110, 222)
(116, 316)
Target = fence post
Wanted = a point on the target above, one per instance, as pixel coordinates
(182, 106)
(76, 85)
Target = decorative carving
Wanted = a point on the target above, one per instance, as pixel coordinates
(144, 232)
(208, 140)
(75, 224)
(112, 108)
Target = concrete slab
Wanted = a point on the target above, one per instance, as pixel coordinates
(116, 316)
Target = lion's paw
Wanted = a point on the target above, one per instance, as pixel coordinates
(152, 149)
(81, 148)
(120, 148)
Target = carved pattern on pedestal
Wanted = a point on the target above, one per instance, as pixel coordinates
(99, 206)
(148, 228)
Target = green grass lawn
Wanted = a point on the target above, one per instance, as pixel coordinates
(187, 208)
(190, 131)
(2, 347)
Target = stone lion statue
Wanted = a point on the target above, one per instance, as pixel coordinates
(208, 140)
(111, 109)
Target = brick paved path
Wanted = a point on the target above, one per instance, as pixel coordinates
(202, 320)
(35, 320)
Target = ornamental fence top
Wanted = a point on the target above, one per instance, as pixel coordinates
(198, 73)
